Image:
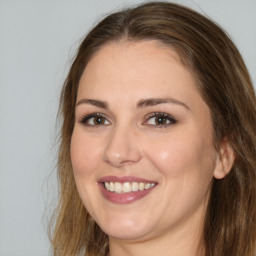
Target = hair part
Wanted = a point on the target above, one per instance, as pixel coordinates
(225, 85)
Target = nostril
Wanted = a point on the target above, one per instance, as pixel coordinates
(122, 148)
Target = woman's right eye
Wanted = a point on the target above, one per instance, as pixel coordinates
(94, 120)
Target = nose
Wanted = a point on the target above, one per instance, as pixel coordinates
(122, 147)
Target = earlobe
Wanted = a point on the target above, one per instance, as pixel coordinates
(225, 160)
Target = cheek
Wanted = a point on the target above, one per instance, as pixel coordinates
(180, 156)
(84, 158)
(84, 153)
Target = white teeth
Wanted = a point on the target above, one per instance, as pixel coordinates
(147, 186)
(107, 185)
(127, 187)
(118, 187)
(111, 187)
(135, 186)
(141, 186)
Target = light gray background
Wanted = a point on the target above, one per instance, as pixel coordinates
(37, 41)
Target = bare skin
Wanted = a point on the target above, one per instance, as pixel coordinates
(139, 114)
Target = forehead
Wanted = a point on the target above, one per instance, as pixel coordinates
(131, 63)
(123, 74)
(125, 70)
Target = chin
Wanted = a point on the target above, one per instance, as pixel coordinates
(126, 229)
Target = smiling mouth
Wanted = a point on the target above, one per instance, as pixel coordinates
(127, 187)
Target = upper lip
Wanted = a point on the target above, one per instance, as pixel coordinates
(124, 179)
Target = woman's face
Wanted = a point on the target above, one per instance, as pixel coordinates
(142, 149)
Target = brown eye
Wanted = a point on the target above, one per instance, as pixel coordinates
(98, 120)
(160, 120)
(94, 120)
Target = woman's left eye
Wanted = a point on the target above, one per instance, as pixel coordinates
(160, 120)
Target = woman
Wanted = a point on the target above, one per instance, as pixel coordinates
(158, 142)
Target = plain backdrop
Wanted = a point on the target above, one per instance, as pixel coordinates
(37, 41)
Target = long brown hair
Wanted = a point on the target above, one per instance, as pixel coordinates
(225, 85)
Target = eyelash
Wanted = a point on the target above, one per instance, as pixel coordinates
(169, 119)
(84, 120)
(164, 116)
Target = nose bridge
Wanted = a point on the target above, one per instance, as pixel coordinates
(121, 147)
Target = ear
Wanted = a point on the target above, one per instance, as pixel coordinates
(225, 160)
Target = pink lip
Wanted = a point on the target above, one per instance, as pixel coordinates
(124, 179)
(123, 198)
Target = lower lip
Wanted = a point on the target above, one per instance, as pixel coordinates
(124, 198)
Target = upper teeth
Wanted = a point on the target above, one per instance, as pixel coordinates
(127, 187)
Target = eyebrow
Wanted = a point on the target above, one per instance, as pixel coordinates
(97, 103)
(141, 104)
(156, 101)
